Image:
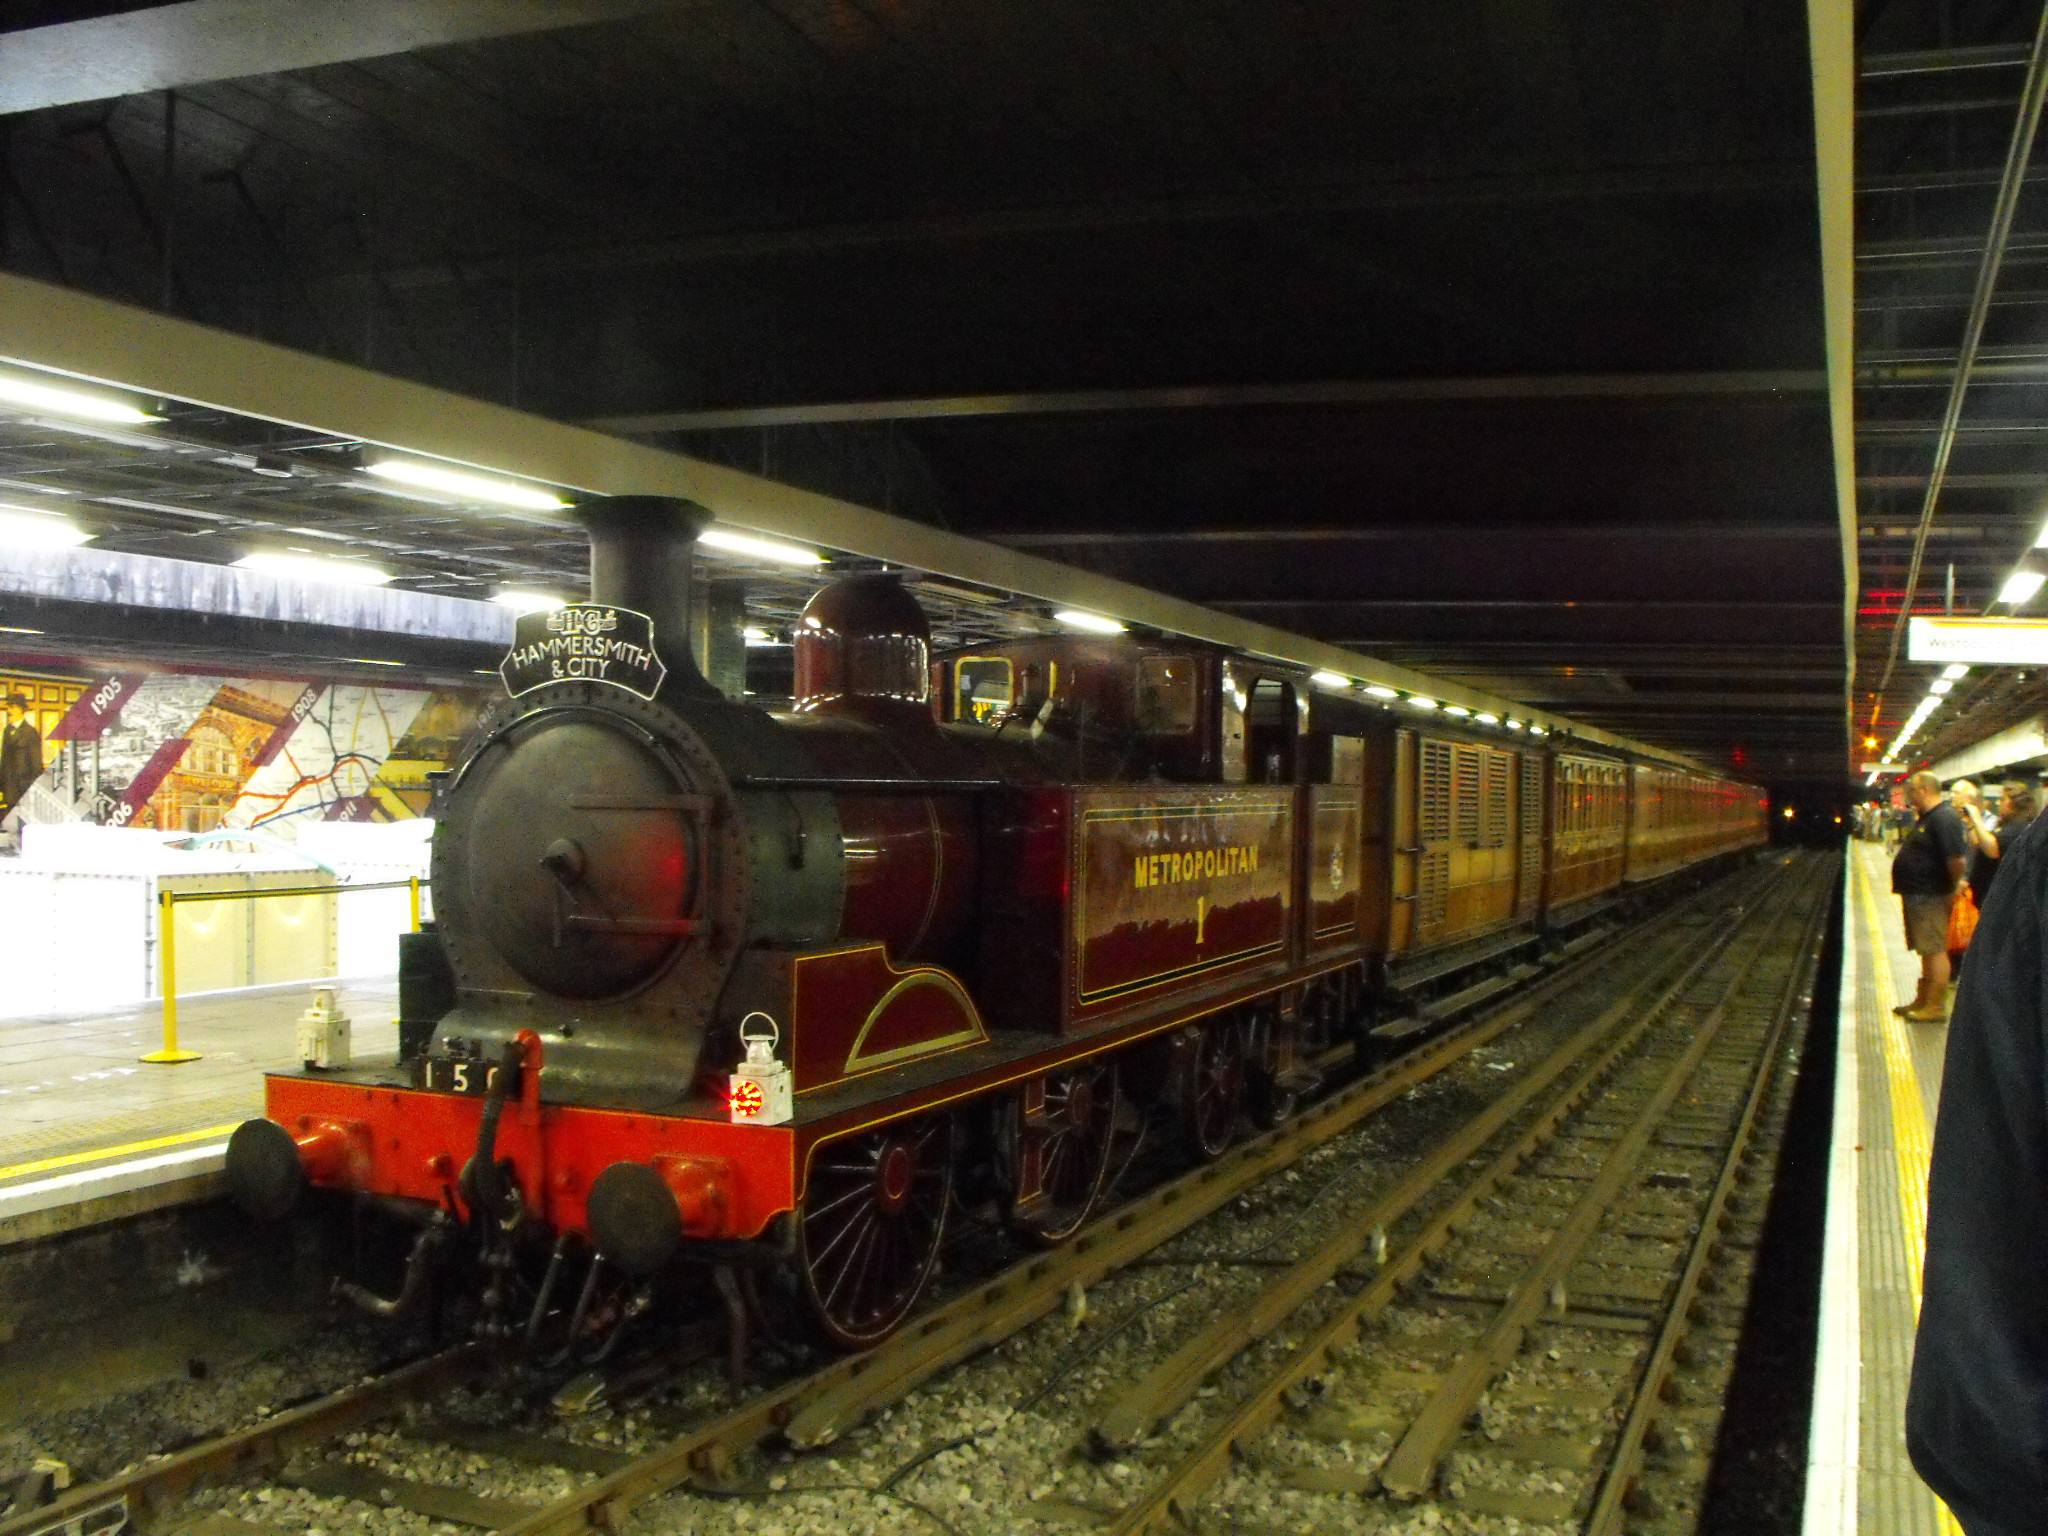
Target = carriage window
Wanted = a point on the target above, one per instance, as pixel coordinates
(1166, 695)
(982, 688)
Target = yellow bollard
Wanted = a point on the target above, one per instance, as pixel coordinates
(167, 928)
(414, 882)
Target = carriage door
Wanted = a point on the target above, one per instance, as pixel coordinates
(1435, 834)
(1529, 889)
(1405, 842)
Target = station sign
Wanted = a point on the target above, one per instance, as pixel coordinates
(1982, 642)
(586, 643)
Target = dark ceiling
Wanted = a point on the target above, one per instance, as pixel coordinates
(1484, 338)
(1952, 474)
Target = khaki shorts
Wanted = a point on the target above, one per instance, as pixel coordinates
(1927, 923)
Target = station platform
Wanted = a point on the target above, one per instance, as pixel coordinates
(90, 1132)
(1887, 1083)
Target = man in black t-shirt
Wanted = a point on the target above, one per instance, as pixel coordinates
(1925, 873)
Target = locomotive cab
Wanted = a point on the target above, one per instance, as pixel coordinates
(1125, 708)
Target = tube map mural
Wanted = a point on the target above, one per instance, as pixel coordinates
(183, 753)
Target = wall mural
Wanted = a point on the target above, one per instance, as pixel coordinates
(188, 753)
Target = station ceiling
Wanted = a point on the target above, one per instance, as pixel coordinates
(1488, 339)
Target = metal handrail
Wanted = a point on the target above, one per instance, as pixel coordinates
(167, 948)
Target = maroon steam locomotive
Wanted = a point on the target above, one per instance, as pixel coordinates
(737, 988)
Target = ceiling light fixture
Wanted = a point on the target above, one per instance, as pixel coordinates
(525, 600)
(1940, 685)
(466, 486)
(758, 638)
(1487, 719)
(1539, 730)
(1382, 691)
(64, 401)
(1421, 701)
(1331, 680)
(1955, 671)
(755, 547)
(1093, 623)
(2020, 587)
(1458, 709)
(21, 528)
(354, 573)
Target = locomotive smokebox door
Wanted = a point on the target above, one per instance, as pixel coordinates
(760, 1091)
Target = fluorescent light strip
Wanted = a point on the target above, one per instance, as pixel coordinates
(1459, 710)
(467, 486)
(1331, 680)
(1421, 701)
(15, 390)
(1487, 719)
(354, 573)
(1382, 691)
(1955, 671)
(23, 529)
(2020, 587)
(520, 600)
(755, 547)
(1093, 623)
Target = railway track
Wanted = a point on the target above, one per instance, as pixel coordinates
(438, 1467)
(1550, 1339)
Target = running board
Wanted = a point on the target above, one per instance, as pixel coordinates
(1431, 1014)
(1580, 945)
(1420, 972)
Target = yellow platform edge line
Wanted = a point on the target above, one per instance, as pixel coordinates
(1912, 1141)
(98, 1154)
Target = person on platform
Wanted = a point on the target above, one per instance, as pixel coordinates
(21, 755)
(1925, 874)
(1977, 824)
(2016, 808)
(1974, 1422)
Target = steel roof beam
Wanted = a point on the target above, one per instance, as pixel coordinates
(1762, 382)
(1688, 182)
(2013, 480)
(95, 339)
(1942, 61)
(170, 47)
(1079, 538)
(1946, 251)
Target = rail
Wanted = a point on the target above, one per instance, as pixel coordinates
(1332, 1346)
(167, 950)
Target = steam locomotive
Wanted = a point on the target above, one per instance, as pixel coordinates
(718, 987)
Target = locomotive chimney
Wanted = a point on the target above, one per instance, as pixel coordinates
(640, 552)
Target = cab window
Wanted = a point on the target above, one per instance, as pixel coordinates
(1166, 695)
(1271, 718)
(982, 689)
